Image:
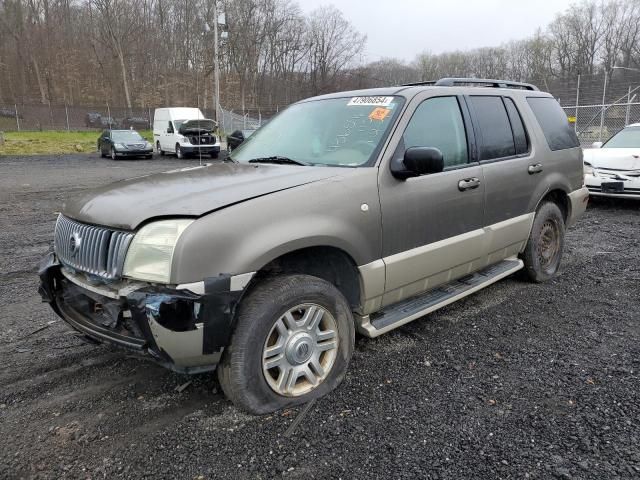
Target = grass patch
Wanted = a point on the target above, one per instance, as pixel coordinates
(54, 142)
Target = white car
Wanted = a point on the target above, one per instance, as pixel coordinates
(612, 169)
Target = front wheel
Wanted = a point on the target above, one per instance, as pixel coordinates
(114, 156)
(159, 150)
(179, 153)
(214, 154)
(545, 246)
(292, 343)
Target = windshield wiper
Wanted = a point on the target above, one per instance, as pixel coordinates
(279, 160)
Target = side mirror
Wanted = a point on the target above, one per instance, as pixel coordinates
(169, 130)
(418, 161)
(596, 145)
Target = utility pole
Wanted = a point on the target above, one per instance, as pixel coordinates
(216, 66)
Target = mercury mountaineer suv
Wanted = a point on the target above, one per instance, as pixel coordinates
(359, 210)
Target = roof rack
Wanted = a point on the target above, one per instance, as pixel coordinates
(485, 82)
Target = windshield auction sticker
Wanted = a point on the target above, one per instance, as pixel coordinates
(379, 113)
(371, 101)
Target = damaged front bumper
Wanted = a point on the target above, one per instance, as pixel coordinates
(183, 330)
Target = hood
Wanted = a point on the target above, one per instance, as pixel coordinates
(195, 126)
(190, 192)
(613, 158)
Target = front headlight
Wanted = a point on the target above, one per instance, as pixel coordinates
(589, 170)
(151, 251)
(184, 140)
(148, 145)
(120, 146)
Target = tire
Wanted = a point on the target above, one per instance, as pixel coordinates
(260, 314)
(148, 157)
(159, 150)
(179, 153)
(545, 246)
(215, 154)
(102, 155)
(113, 154)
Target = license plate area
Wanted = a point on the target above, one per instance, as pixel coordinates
(612, 187)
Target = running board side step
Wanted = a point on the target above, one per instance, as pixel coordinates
(413, 308)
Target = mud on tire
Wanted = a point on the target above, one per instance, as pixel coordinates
(241, 373)
(545, 245)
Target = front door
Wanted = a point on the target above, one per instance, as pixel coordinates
(432, 224)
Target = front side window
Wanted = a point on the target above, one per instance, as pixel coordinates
(627, 138)
(437, 123)
(343, 132)
(495, 130)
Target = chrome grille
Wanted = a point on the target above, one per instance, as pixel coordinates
(95, 250)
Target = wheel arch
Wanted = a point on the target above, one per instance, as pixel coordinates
(327, 262)
(560, 197)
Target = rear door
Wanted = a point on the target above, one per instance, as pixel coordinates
(511, 173)
(432, 224)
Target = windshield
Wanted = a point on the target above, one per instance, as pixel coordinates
(627, 138)
(128, 136)
(346, 132)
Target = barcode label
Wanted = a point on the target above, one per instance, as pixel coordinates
(371, 101)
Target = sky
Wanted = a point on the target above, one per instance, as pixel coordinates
(405, 28)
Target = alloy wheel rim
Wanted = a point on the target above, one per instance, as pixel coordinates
(300, 350)
(549, 245)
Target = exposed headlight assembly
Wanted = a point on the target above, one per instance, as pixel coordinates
(151, 251)
(589, 170)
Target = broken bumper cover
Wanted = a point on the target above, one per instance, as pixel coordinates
(189, 149)
(177, 328)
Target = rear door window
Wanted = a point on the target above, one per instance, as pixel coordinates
(557, 130)
(519, 133)
(496, 138)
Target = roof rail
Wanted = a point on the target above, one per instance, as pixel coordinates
(485, 82)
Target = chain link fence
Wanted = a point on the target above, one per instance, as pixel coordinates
(600, 105)
(63, 117)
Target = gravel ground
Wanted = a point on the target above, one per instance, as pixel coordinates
(516, 381)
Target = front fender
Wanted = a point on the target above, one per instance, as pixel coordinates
(247, 236)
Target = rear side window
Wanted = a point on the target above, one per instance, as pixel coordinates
(495, 130)
(553, 121)
(519, 133)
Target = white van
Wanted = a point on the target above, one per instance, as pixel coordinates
(184, 131)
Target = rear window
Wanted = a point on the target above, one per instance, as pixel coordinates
(554, 123)
(495, 129)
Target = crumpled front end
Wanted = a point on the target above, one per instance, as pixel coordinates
(613, 183)
(180, 329)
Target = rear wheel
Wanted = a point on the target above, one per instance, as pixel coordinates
(292, 343)
(545, 246)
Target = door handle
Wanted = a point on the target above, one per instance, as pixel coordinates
(468, 184)
(537, 168)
